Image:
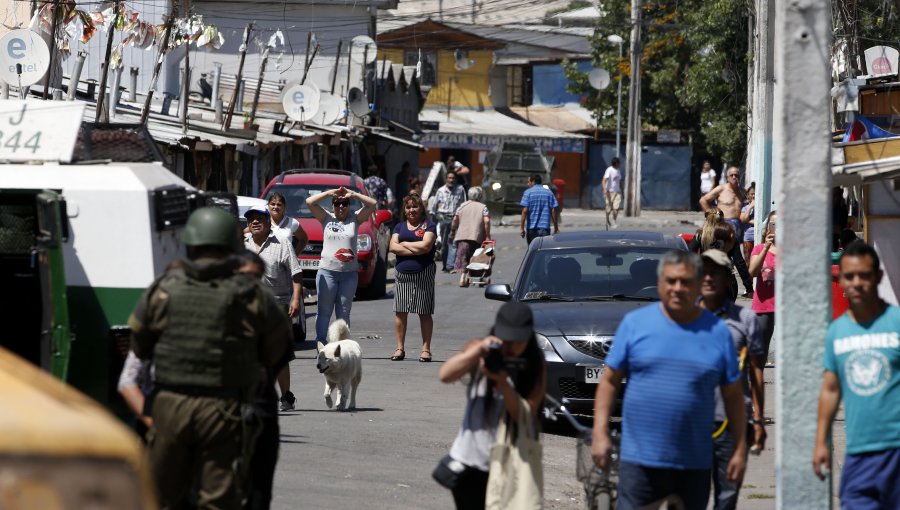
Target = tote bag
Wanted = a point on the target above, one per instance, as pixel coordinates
(516, 478)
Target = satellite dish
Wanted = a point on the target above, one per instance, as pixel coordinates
(25, 57)
(301, 102)
(363, 49)
(462, 60)
(330, 109)
(598, 78)
(359, 105)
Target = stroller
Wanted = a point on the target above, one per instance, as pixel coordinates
(478, 272)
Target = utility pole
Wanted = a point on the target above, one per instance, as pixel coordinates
(615, 39)
(53, 48)
(803, 278)
(633, 143)
(156, 68)
(262, 72)
(762, 106)
(109, 40)
(240, 75)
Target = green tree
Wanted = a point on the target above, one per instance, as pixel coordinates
(693, 70)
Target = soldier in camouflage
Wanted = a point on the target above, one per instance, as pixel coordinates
(212, 334)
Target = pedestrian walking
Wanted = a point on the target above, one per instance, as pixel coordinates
(742, 324)
(282, 276)
(446, 202)
(539, 210)
(612, 192)
(413, 243)
(707, 178)
(674, 354)
(206, 367)
(471, 226)
(494, 393)
(763, 261)
(862, 367)
(338, 275)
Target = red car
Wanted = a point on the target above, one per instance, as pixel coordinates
(373, 236)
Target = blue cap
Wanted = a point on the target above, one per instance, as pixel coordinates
(256, 209)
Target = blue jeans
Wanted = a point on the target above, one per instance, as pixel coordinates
(869, 480)
(335, 290)
(725, 491)
(531, 233)
(640, 486)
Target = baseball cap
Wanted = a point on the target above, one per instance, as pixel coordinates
(256, 209)
(514, 323)
(719, 258)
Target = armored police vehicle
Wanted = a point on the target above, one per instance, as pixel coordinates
(79, 243)
(506, 173)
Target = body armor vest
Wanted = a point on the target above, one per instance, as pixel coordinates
(208, 342)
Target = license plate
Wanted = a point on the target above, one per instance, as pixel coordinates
(592, 374)
(309, 263)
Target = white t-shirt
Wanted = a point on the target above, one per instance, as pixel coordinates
(286, 227)
(613, 180)
(707, 181)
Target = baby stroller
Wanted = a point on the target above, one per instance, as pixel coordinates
(478, 272)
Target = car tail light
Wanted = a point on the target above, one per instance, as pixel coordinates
(363, 243)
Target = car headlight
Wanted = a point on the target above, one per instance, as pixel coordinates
(363, 242)
(544, 343)
(496, 186)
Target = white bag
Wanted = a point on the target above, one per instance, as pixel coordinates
(516, 478)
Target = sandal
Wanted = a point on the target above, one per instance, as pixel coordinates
(398, 357)
(423, 358)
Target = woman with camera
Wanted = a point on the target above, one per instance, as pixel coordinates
(762, 267)
(506, 373)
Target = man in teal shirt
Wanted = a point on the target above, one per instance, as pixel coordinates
(862, 365)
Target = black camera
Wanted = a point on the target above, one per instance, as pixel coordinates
(496, 362)
(494, 359)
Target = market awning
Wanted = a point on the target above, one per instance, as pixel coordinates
(399, 140)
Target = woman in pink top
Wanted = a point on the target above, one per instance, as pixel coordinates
(762, 267)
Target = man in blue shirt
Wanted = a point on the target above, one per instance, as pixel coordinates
(539, 209)
(862, 365)
(675, 355)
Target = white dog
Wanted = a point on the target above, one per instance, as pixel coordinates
(340, 361)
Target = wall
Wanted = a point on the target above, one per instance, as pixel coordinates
(549, 84)
(569, 166)
(665, 176)
(882, 225)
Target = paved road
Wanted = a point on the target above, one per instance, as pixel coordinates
(381, 456)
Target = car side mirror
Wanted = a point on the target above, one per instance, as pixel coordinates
(383, 216)
(498, 291)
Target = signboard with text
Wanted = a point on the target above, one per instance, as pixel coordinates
(38, 130)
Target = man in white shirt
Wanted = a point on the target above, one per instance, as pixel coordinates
(612, 191)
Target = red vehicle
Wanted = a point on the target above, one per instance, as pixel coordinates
(373, 236)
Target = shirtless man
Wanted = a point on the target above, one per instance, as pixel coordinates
(729, 197)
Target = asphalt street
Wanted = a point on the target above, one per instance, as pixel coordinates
(382, 455)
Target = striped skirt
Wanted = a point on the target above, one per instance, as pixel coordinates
(414, 292)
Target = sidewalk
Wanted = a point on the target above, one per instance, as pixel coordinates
(688, 221)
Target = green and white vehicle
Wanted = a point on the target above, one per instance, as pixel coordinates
(506, 172)
(79, 244)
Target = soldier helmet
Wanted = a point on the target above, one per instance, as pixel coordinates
(212, 226)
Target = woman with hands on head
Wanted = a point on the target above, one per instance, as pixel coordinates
(494, 389)
(413, 243)
(337, 276)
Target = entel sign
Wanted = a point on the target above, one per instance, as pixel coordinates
(24, 57)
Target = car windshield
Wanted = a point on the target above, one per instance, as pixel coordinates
(296, 195)
(613, 273)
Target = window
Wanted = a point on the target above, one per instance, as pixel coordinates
(428, 73)
(518, 86)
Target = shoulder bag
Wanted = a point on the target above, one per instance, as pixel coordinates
(516, 479)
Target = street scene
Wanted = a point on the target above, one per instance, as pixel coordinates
(412, 254)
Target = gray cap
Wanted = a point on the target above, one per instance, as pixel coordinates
(719, 258)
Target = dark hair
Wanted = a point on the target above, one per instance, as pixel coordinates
(452, 172)
(722, 234)
(416, 199)
(245, 257)
(614, 162)
(860, 248)
(536, 178)
(277, 195)
(847, 237)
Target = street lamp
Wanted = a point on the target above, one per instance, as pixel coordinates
(618, 40)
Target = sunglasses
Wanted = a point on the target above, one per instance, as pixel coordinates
(341, 203)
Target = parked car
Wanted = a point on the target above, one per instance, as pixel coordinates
(373, 235)
(580, 285)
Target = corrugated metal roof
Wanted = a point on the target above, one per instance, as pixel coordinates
(570, 118)
(488, 122)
